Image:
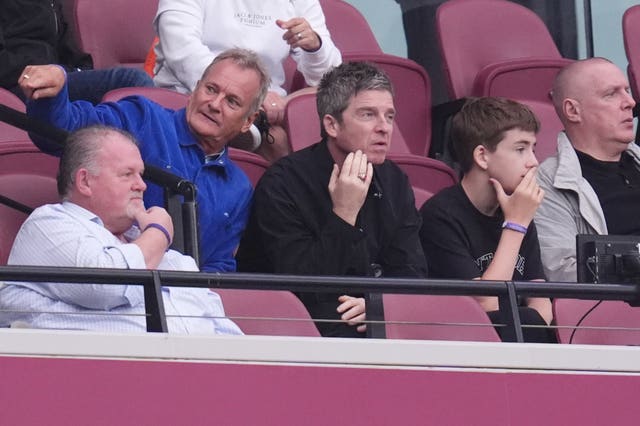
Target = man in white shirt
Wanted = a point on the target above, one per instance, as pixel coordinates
(102, 223)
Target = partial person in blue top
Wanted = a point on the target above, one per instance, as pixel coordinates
(189, 142)
(103, 223)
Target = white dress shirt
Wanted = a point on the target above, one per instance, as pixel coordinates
(68, 235)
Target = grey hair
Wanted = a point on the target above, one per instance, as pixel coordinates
(246, 59)
(80, 151)
(339, 85)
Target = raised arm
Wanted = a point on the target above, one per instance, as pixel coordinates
(313, 59)
(519, 209)
(292, 240)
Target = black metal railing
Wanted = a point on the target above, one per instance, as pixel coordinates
(507, 292)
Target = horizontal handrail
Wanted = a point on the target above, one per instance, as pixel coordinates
(152, 279)
(320, 284)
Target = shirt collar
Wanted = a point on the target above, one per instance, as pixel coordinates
(81, 212)
(221, 159)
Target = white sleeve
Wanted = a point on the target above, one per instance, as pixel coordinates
(556, 223)
(313, 65)
(179, 25)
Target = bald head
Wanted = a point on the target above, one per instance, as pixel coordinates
(592, 99)
(574, 79)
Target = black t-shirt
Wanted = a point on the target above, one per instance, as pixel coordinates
(459, 241)
(617, 185)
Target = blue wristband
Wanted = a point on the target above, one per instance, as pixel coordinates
(161, 229)
(514, 227)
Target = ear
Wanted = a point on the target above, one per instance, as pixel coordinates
(571, 110)
(330, 124)
(248, 122)
(480, 157)
(83, 182)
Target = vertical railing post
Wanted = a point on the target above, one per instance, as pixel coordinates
(154, 305)
(510, 315)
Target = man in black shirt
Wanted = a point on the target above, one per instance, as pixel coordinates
(338, 207)
(482, 228)
(592, 183)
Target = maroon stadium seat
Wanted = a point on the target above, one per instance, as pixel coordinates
(252, 164)
(550, 126)
(115, 32)
(9, 133)
(426, 175)
(496, 48)
(28, 177)
(609, 323)
(349, 30)
(267, 312)
(421, 317)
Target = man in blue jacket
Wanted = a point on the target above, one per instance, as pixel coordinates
(190, 142)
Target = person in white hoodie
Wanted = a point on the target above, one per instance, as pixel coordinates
(193, 32)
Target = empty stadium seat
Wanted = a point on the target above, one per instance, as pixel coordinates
(496, 48)
(609, 323)
(165, 97)
(28, 177)
(267, 312)
(115, 32)
(422, 317)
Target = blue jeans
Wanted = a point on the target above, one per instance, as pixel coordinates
(91, 85)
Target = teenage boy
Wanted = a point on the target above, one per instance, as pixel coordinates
(482, 228)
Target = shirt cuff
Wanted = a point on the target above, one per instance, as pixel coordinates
(132, 255)
(353, 233)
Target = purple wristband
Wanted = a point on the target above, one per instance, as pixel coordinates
(514, 227)
(161, 229)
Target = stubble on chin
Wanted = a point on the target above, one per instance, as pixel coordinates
(135, 208)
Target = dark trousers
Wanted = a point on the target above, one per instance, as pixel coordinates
(528, 316)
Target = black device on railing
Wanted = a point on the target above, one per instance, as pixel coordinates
(605, 259)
